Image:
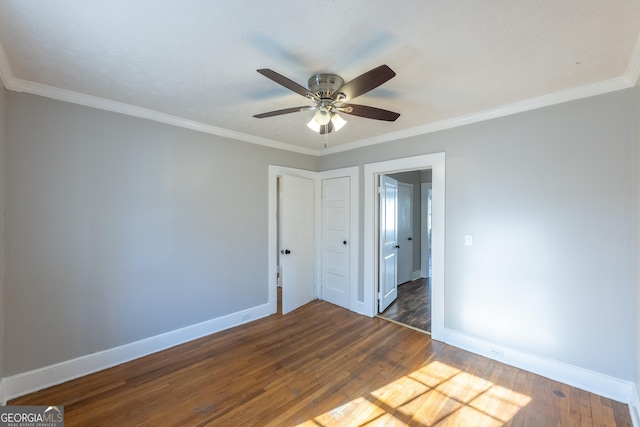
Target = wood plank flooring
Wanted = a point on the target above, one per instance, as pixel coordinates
(413, 305)
(322, 366)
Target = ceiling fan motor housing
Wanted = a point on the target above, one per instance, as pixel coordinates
(325, 85)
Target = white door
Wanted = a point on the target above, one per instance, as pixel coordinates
(388, 262)
(335, 240)
(296, 249)
(405, 232)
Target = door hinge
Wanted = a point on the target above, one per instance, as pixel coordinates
(379, 190)
(379, 296)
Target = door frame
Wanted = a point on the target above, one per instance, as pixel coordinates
(435, 162)
(424, 237)
(272, 230)
(354, 232)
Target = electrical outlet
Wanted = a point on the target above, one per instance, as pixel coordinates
(496, 353)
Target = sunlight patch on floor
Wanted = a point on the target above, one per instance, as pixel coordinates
(434, 393)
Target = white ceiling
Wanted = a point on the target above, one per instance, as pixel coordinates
(193, 63)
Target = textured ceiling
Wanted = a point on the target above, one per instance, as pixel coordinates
(193, 63)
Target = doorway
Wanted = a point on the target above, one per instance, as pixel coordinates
(412, 303)
(372, 172)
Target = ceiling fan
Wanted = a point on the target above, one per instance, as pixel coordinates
(331, 96)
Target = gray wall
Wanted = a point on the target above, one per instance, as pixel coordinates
(3, 110)
(120, 228)
(637, 234)
(548, 197)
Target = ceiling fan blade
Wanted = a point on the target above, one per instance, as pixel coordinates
(326, 128)
(365, 82)
(369, 112)
(284, 111)
(289, 84)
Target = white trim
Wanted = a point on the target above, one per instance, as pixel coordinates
(435, 162)
(146, 113)
(416, 275)
(626, 81)
(272, 228)
(573, 94)
(358, 306)
(3, 399)
(424, 235)
(28, 382)
(634, 406)
(591, 381)
(354, 235)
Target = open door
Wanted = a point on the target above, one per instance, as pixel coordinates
(296, 249)
(388, 232)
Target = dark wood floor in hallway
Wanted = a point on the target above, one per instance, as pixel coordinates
(322, 366)
(413, 305)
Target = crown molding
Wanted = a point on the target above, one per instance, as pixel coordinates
(629, 79)
(573, 94)
(586, 91)
(20, 85)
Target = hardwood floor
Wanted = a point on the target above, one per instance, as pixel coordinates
(413, 305)
(322, 366)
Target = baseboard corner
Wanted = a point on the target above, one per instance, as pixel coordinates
(3, 398)
(357, 307)
(634, 406)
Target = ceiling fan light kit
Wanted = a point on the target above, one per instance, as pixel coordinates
(330, 94)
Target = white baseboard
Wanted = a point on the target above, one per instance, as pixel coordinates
(416, 275)
(3, 399)
(28, 382)
(357, 307)
(634, 407)
(591, 381)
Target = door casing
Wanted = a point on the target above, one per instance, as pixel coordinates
(435, 162)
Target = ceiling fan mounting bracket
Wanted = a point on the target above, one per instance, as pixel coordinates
(325, 85)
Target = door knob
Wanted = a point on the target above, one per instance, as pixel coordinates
(285, 252)
(410, 238)
(344, 242)
(397, 246)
